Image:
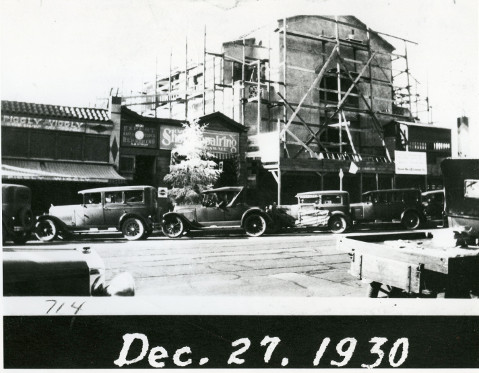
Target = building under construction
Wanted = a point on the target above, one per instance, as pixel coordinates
(327, 102)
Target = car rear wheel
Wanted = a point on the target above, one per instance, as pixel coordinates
(133, 229)
(173, 227)
(337, 224)
(46, 230)
(255, 225)
(411, 220)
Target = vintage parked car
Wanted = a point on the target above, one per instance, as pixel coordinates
(221, 208)
(59, 272)
(389, 205)
(17, 216)
(325, 208)
(132, 210)
(433, 202)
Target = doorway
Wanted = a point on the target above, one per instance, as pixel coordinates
(144, 170)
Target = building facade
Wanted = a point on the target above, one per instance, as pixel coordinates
(319, 96)
(146, 145)
(56, 150)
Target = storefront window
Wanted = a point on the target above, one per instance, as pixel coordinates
(97, 148)
(69, 146)
(42, 145)
(14, 142)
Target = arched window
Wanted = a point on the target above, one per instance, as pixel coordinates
(328, 89)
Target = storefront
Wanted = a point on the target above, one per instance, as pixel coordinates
(146, 144)
(56, 150)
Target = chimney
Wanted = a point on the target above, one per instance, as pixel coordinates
(463, 137)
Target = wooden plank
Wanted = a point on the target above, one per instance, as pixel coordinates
(403, 275)
(405, 250)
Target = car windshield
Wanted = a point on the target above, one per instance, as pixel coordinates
(209, 199)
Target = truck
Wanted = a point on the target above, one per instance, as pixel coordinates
(439, 263)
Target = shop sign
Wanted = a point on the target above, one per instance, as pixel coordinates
(264, 146)
(138, 135)
(43, 123)
(410, 163)
(218, 142)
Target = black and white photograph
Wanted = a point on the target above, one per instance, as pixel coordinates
(204, 184)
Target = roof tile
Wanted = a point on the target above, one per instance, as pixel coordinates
(57, 111)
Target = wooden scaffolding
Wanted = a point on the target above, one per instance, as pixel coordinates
(214, 93)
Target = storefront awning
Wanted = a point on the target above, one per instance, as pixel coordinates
(15, 169)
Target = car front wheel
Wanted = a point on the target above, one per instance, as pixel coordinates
(411, 220)
(173, 227)
(46, 230)
(133, 229)
(255, 225)
(337, 224)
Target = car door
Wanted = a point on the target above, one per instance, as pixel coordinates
(92, 208)
(113, 208)
(209, 214)
(395, 203)
(369, 201)
(235, 209)
(381, 206)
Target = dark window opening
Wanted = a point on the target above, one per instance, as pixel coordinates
(329, 89)
(127, 163)
(250, 72)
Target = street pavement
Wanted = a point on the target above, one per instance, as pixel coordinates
(295, 265)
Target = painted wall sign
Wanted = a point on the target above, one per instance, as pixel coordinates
(410, 163)
(218, 142)
(43, 123)
(138, 135)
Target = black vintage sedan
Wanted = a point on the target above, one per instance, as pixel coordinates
(221, 208)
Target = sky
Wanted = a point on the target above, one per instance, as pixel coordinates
(76, 52)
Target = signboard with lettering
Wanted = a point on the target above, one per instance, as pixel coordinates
(410, 163)
(43, 123)
(138, 135)
(218, 142)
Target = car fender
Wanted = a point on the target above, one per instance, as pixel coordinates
(341, 213)
(256, 210)
(127, 215)
(58, 222)
(186, 221)
(420, 213)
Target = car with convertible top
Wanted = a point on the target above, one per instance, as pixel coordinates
(220, 209)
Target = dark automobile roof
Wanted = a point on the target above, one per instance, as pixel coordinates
(115, 189)
(393, 190)
(224, 189)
